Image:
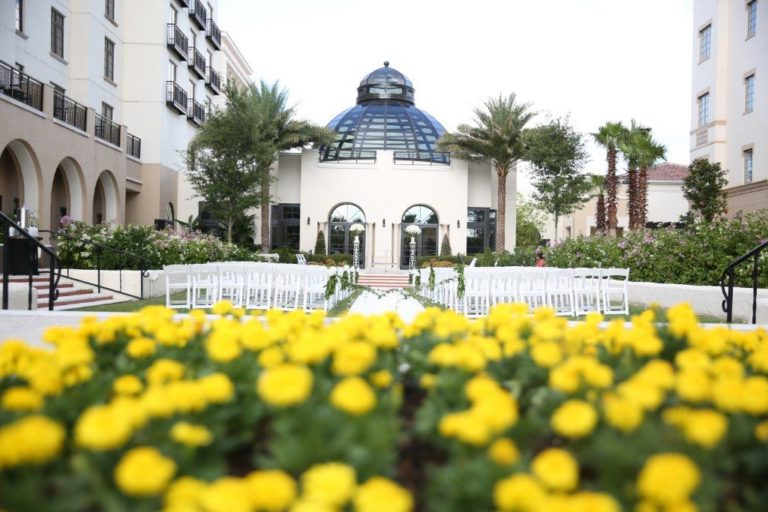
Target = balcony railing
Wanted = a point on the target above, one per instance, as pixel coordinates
(20, 86)
(133, 146)
(213, 34)
(185, 3)
(177, 41)
(334, 154)
(196, 62)
(195, 112)
(69, 111)
(107, 130)
(213, 81)
(176, 97)
(198, 13)
(412, 157)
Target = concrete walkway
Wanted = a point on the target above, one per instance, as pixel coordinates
(30, 325)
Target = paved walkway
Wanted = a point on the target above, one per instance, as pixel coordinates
(30, 325)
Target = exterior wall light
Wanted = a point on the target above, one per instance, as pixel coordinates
(383, 223)
(307, 221)
(458, 224)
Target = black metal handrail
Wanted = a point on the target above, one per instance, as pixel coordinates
(213, 80)
(34, 245)
(133, 145)
(176, 96)
(213, 33)
(20, 86)
(198, 13)
(196, 61)
(177, 41)
(107, 130)
(729, 276)
(334, 154)
(196, 111)
(98, 249)
(433, 157)
(69, 111)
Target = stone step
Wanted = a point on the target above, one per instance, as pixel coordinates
(75, 301)
(67, 291)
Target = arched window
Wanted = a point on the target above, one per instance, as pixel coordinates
(340, 240)
(426, 243)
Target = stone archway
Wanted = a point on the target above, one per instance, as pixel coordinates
(19, 178)
(67, 192)
(105, 199)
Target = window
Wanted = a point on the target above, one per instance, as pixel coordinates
(481, 230)
(192, 39)
(748, 166)
(19, 15)
(107, 111)
(704, 109)
(751, 18)
(172, 71)
(174, 15)
(705, 43)
(285, 229)
(192, 90)
(749, 94)
(109, 9)
(109, 59)
(57, 33)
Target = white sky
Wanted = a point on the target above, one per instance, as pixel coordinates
(597, 60)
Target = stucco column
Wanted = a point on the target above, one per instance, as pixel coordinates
(510, 229)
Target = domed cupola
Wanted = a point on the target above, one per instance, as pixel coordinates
(385, 118)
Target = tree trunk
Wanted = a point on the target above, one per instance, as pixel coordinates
(600, 222)
(265, 238)
(642, 203)
(610, 188)
(632, 192)
(230, 223)
(501, 214)
(557, 219)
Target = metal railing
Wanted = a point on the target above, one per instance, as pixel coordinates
(196, 112)
(198, 13)
(432, 157)
(32, 247)
(213, 80)
(196, 62)
(177, 41)
(729, 277)
(107, 130)
(69, 111)
(335, 154)
(176, 96)
(20, 86)
(213, 33)
(133, 145)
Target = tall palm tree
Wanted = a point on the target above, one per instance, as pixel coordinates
(630, 145)
(495, 137)
(649, 152)
(609, 136)
(274, 129)
(601, 221)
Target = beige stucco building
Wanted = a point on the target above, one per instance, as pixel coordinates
(98, 99)
(729, 121)
(384, 171)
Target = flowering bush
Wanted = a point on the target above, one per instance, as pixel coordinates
(697, 255)
(76, 247)
(511, 412)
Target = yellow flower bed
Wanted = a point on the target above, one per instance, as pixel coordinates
(512, 412)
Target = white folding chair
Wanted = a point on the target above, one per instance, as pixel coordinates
(504, 286)
(205, 285)
(586, 290)
(258, 286)
(232, 283)
(177, 279)
(315, 281)
(300, 259)
(532, 287)
(477, 284)
(560, 291)
(614, 290)
(287, 292)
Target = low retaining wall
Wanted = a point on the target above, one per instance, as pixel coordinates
(706, 300)
(128, 281)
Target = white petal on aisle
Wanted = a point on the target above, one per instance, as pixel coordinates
(370, 304)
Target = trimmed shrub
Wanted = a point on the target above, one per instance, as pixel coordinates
(320, 244)
(445, 246)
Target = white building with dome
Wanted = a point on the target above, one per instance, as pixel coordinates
(385, 171)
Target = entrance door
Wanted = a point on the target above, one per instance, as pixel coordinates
(426, 243)
(341, 240)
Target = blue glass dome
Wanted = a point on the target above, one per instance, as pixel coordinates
(385, 117)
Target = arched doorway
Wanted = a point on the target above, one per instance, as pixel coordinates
(341, 241)
(105, 199)
(11, 184)
(19, 178)
(66, 193)
(426, 243)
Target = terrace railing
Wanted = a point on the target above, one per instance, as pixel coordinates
(432, 157)
(334, 154)
(213, 80)
(133, 146)
(728, 280)
(176, 97)
(20, 86)
(177, 41)
(196, 62)
(107, 130)
(196, 112)
(213, 34)
(69, 111)
(198, 13)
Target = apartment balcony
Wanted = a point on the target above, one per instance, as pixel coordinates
(176, 97)
(107, 130)
(196, 62)
(184, 3)
(133, 146)
(68, 111)
(195, 112)
(213, 34)
(177, 41)
(21, 87)
(213, 81)
(198, 13)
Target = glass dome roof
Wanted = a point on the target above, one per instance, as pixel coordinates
(385, 117)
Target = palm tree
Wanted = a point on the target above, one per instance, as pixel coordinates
(609, 136)
(649, 152)
(601, 223)
(274, 129)
(495, 137)
(629, 145)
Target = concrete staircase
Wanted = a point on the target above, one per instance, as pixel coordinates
(384, 281)
(72, 295)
